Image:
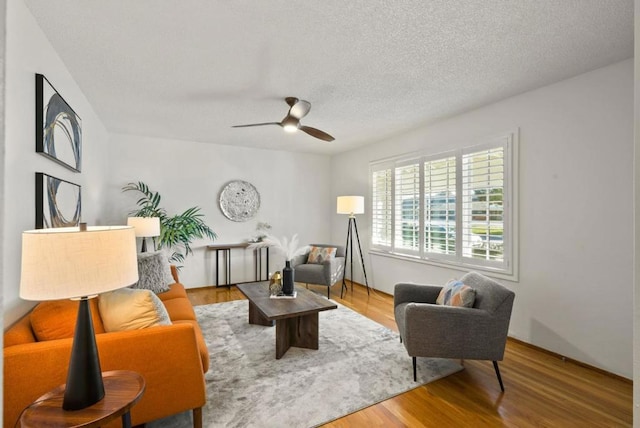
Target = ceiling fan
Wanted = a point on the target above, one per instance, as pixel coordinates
(291, 122)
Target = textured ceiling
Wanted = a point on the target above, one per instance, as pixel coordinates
(191, 69)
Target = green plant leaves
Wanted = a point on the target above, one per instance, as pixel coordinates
(176, 232)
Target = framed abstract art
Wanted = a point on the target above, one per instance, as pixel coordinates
(58, 127)
(58, 202)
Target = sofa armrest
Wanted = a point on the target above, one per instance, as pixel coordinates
(332, 269)
(299, 260)
(166, 356)
(174, 273)
(453, 332)
(420, 293)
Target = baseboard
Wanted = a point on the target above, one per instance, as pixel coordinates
(571, 360)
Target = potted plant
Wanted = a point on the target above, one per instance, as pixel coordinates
(177, 231)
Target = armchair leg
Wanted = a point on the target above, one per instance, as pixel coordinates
(415, 379)
(495, 366)
(329, 292)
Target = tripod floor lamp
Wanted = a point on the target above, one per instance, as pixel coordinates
(352, 205)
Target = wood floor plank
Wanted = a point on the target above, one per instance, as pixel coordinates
(541, 390)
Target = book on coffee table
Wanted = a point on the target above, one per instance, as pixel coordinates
(283, 296)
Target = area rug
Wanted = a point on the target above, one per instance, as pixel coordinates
(359, 363)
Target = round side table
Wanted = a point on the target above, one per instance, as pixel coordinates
(122, 389)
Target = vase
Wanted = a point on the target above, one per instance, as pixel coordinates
(275, 286)
(287, 279)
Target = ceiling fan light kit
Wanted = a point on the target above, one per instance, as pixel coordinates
(291, 122)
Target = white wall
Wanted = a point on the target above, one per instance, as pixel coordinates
(28, 52)
(294, 191)
(575, 295)
(636, 270)
(3, 25)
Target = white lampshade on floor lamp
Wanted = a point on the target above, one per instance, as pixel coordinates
(351, 205)
(145, 227)
(78, 264)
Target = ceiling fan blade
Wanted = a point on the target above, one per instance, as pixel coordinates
(317, 133)
(256, 124)
(300, 109)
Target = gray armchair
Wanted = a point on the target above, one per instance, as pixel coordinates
(477, 333)
(326, 274)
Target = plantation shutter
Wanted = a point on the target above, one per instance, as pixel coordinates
(407, 208)
(381, 208)
(440, 205)
(483, 188)
(454, 208)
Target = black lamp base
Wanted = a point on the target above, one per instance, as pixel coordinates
(84, 378)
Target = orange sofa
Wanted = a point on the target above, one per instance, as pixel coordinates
(171, 358)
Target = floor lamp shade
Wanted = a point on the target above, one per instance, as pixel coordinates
(145, 227)
(61, 263)
(350, 205)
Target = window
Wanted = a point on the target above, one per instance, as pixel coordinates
(440, 205)
(452, 208)
(407, 210)
(381, 210)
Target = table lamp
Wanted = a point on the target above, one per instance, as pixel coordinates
(145, 227)
(78, 263)
(351, 205)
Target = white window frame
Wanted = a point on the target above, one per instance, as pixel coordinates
(508, 268)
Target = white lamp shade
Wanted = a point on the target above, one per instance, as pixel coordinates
(64, 263)
(145, 226)
(350, 205)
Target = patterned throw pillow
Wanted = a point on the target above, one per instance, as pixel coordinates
(319, 255)
(455, 293)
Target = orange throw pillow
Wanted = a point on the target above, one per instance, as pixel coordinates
(56, 319)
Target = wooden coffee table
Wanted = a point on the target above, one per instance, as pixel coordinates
(296, 319)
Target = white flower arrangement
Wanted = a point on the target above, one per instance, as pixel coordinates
(288, 248)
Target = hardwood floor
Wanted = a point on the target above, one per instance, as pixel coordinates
(541, 389)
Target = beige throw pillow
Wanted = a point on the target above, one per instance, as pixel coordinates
(131, 309)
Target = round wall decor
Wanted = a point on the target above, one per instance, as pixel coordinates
(239, 200)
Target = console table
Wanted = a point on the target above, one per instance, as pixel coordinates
(225, 249)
